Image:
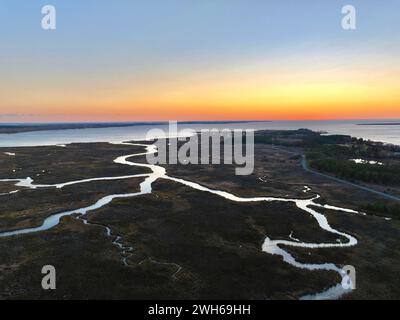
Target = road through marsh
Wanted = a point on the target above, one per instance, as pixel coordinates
(269, 246)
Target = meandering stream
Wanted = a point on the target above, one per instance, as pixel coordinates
(273, 247)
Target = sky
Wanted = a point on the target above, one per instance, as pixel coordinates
(128, 60)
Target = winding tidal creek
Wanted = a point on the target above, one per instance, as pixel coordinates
(269, 246)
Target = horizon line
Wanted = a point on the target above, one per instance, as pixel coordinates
(191, 121)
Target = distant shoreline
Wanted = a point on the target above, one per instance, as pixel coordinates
(35, 134)
(8, 128)
(379, 124)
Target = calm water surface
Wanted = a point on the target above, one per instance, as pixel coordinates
(383, 133)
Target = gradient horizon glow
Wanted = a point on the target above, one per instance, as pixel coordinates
(199, 60)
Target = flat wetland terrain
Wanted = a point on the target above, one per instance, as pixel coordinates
(186, 244)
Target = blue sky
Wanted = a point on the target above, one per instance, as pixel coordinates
(130, 40)
(173, 28)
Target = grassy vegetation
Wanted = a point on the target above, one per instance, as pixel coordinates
(332, 154)
(383, 175)
(299, 138)
(216, 242)
(383, 209)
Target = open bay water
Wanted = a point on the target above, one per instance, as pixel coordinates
(389, 133)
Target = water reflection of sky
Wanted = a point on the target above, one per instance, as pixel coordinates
(384, 133)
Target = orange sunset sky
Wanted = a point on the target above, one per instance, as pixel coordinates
(206, 60)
